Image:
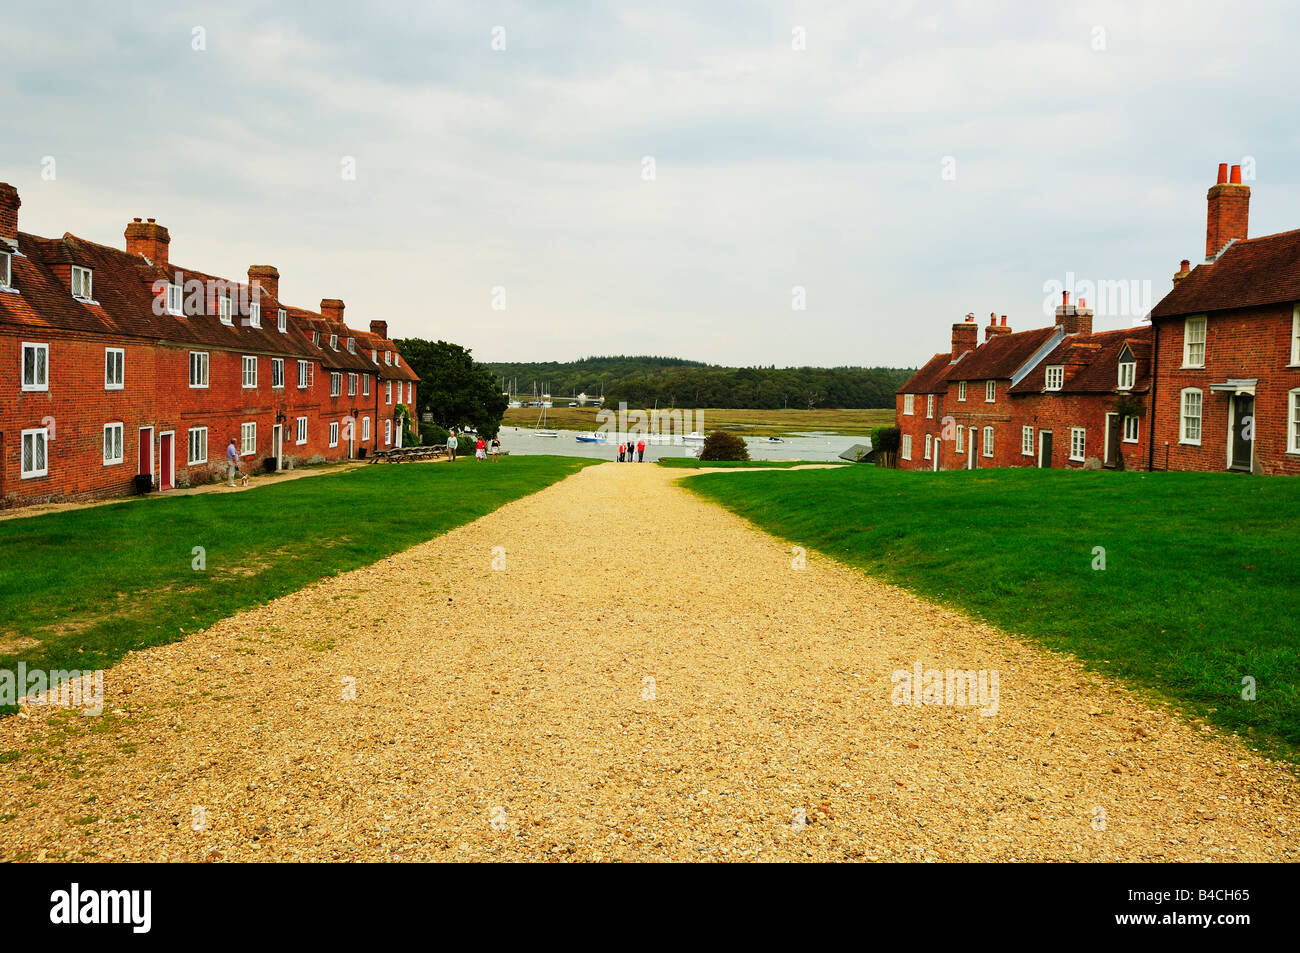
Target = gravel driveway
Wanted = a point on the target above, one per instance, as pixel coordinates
(612, 669)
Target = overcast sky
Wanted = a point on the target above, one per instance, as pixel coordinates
(912, 162)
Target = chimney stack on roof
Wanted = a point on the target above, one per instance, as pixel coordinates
(331, 310)
(1074, 319)
(994, 329)
(379, 329)
(148, 239)
(9, 202)
(965, 336)
(1184, 269)
(1228, 211)
(268, 277)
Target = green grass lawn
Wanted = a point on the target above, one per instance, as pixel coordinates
(90, 585)
(690, 463)
(1199, 589)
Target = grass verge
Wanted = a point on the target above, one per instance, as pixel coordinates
(690, 463)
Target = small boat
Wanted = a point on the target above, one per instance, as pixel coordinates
(775, 440)
(693, 437)
(542, 429)
(590, 438)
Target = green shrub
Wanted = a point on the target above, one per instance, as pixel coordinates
(721, 445)
(885, 441)
(432, 434)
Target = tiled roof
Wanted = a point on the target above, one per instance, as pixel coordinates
(930, 379)
(1001, 357)
(1091, 363)
(1252, 272)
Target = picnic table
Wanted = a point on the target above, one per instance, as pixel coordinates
(409, 454)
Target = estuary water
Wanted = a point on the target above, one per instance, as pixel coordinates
(521, 441)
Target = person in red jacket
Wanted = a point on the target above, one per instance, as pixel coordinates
(640, 450)
(621, 450)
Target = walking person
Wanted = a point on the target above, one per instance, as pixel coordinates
(621, 450)
(480, 449)
(232, 462)
(451, 445)
(496, 447)
(640, 450)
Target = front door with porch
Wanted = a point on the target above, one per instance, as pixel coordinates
(1241, 432)
(277, 446)
(1113, 437)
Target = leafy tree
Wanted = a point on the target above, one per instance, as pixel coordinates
(454, 388)
(721, 445)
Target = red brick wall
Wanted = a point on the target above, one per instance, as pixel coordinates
(975, 411)
(1252, 343)
(1060, 413)
(917, 425)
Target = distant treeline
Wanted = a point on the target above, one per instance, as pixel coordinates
(670, 381)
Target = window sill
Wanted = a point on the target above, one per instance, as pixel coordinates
(35, 390)
(1189, 443)
(114, 387)
(1127, 440)
(1192, 367)
(112, 463)
(1078, 459)
(198, 387)
(34, 476)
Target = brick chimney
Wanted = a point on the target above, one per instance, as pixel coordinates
(380, 329)
(1072, 319)
(1228, 211)
(1184, 270)
(148, 239)
(268, 276)
(965, 336)
(9, 202)
(994, 329)
(331, 310)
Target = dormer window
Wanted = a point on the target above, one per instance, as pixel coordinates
(81, 283)
(315, 338)
(1055, 377)
(282, 321)
(374, 356)
(1127, 369)
(223, 309)
(352, 345)
(255, 315)
(6, 274)
(397, 359)
(334, 342)
(388, 357)
(175, 300)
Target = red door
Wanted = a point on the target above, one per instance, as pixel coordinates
(146, 451)
(165, 462)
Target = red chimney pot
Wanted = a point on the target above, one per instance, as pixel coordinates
(1223, 172)
(1235, 179)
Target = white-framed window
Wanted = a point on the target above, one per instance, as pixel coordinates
(175, 299)
(1127, 371)
(909, 401)
(365, 385)
(301, 434)
(1293, 422)
(114, 368)
(36, 366)
(1055, 377)
(961, 440)
(336, 383)
(388, 433)
(990, 391)
(82, 283)
(906, 449)
(250, 371)
(112, 444)
(334, 342)
(1027, 441)
(334, 433)
(929, 405)
(988, 441)
(352, 385)
(282, 321)
(352, 345)
(315, 338)
(397, 359)
(1078, 443)
(198, 368)
(929, 442)
(1295, 335)
(388, 357)
(1189, 430)
(277, 372)
(198, 446)
(389, 393)
(1131, 428)
(374, 356)
(302, 374)
(35, 445)
(365, 428)
(223, 309)
(255, 315)
(6, 274)
(248, 438)
(961, 390)
(410, 393)
(1194, 341)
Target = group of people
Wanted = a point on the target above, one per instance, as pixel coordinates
(632, 452)
(481, 447)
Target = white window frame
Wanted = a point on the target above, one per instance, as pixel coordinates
(334, 433)
(255, 314)
(1194, 334)
(909, 401)
(1295, 336)
(1133, 419)
(1055, 377)
(248, 438)
(1293, 421)
(1079, 436)
(352, 345)
(987, 448)
(961, 441)
(44, 442)
(175, 300)
(961, 390)
(6, 270)
(302, 374)
(83, 283)
(1184, 417)
(365, 385)
(929, 443)
(223, 309)
(1127, 375)
(990, 392)
(109, 382)
(388, 433)
(114, 439)
(277, 373)
(1027, 441)
(249, 380)
(336, 383)
(43, 383)
(410, 392)
(282, 321)
(334, 342)
(374, 356)
(203, 364)
(389, 388)
(929, 406)
(388, 357)
(300, 431)
(352, 384)
(193, 435)
(397, 359)
(365, 428)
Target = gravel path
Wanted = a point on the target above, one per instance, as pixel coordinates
(648, 677)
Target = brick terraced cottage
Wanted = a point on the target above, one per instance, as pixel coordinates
(119, 363)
